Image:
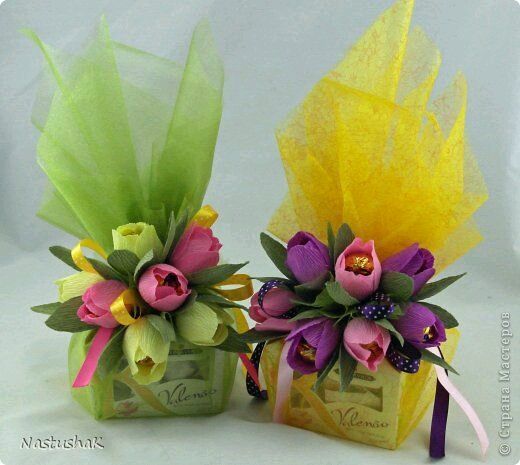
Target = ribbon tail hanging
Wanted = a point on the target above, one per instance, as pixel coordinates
(89, 366)
(253, 385)
(283, 386)
(439, 421)
(450, 388)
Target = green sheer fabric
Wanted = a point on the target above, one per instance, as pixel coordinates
(126, 136)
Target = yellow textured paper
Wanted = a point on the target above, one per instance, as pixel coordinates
(368, 147)
(380, 409)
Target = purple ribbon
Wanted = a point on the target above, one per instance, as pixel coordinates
(381, 307)
(266, 287)
(439, 420)
(252, 388)
(406, 358)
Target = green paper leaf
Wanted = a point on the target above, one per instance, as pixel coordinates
(428, 356)
(105, 270)
(344, 238)
(331, 241)
(217, 299)
(306, 314)
(431, 289)
(64, 255)
(265, 279)
(168, 245)
(448, 320)
(398, 286)
(46, 309)
(146, 261)
(234, 343)
(347, 367)
(340, 295)
(322, 375)
(253, 336)
(397, 313)
(182, 223)
(163, 326)
(112, 354)
(391, 329)
(214, 275)
(276, 252)
(322, 299)
(123, 261)
(65, 317)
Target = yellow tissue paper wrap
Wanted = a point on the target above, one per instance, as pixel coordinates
(368, 147)
(380, 409)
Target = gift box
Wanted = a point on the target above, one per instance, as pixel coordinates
(380, 409)
(198, 381)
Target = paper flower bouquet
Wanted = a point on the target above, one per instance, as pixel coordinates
(350, 343)
(127, 142)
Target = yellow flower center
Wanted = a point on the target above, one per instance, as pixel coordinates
(428, 333)
(374, 348)
(359, 263)
(307, 352)
(131, 230)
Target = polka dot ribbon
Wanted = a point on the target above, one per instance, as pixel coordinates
(266, 287)
(381, 307)
(252, 388)
(406, 358)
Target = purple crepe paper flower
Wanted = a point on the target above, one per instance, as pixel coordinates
(312, 344)
(307, 258)
(421, 327)
(413, 261)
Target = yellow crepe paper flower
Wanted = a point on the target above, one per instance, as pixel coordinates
(76, 284)
(146, 349)
(203, 325)
(138, 238)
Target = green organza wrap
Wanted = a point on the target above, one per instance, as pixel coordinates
(126, 136)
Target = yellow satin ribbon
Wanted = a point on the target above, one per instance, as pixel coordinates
(243, 292)
(79, 258)
(205, 217)
(123, 306)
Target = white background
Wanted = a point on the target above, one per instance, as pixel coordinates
(273, 52)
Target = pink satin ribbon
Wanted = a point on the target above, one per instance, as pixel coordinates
(89, 366)
(283, 386)
(463, 403)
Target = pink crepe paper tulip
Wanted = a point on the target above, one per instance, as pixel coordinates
(97, 300)
(277, 301)
(366, 341)
(358, 269)
(163, 287)
(196, 250)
